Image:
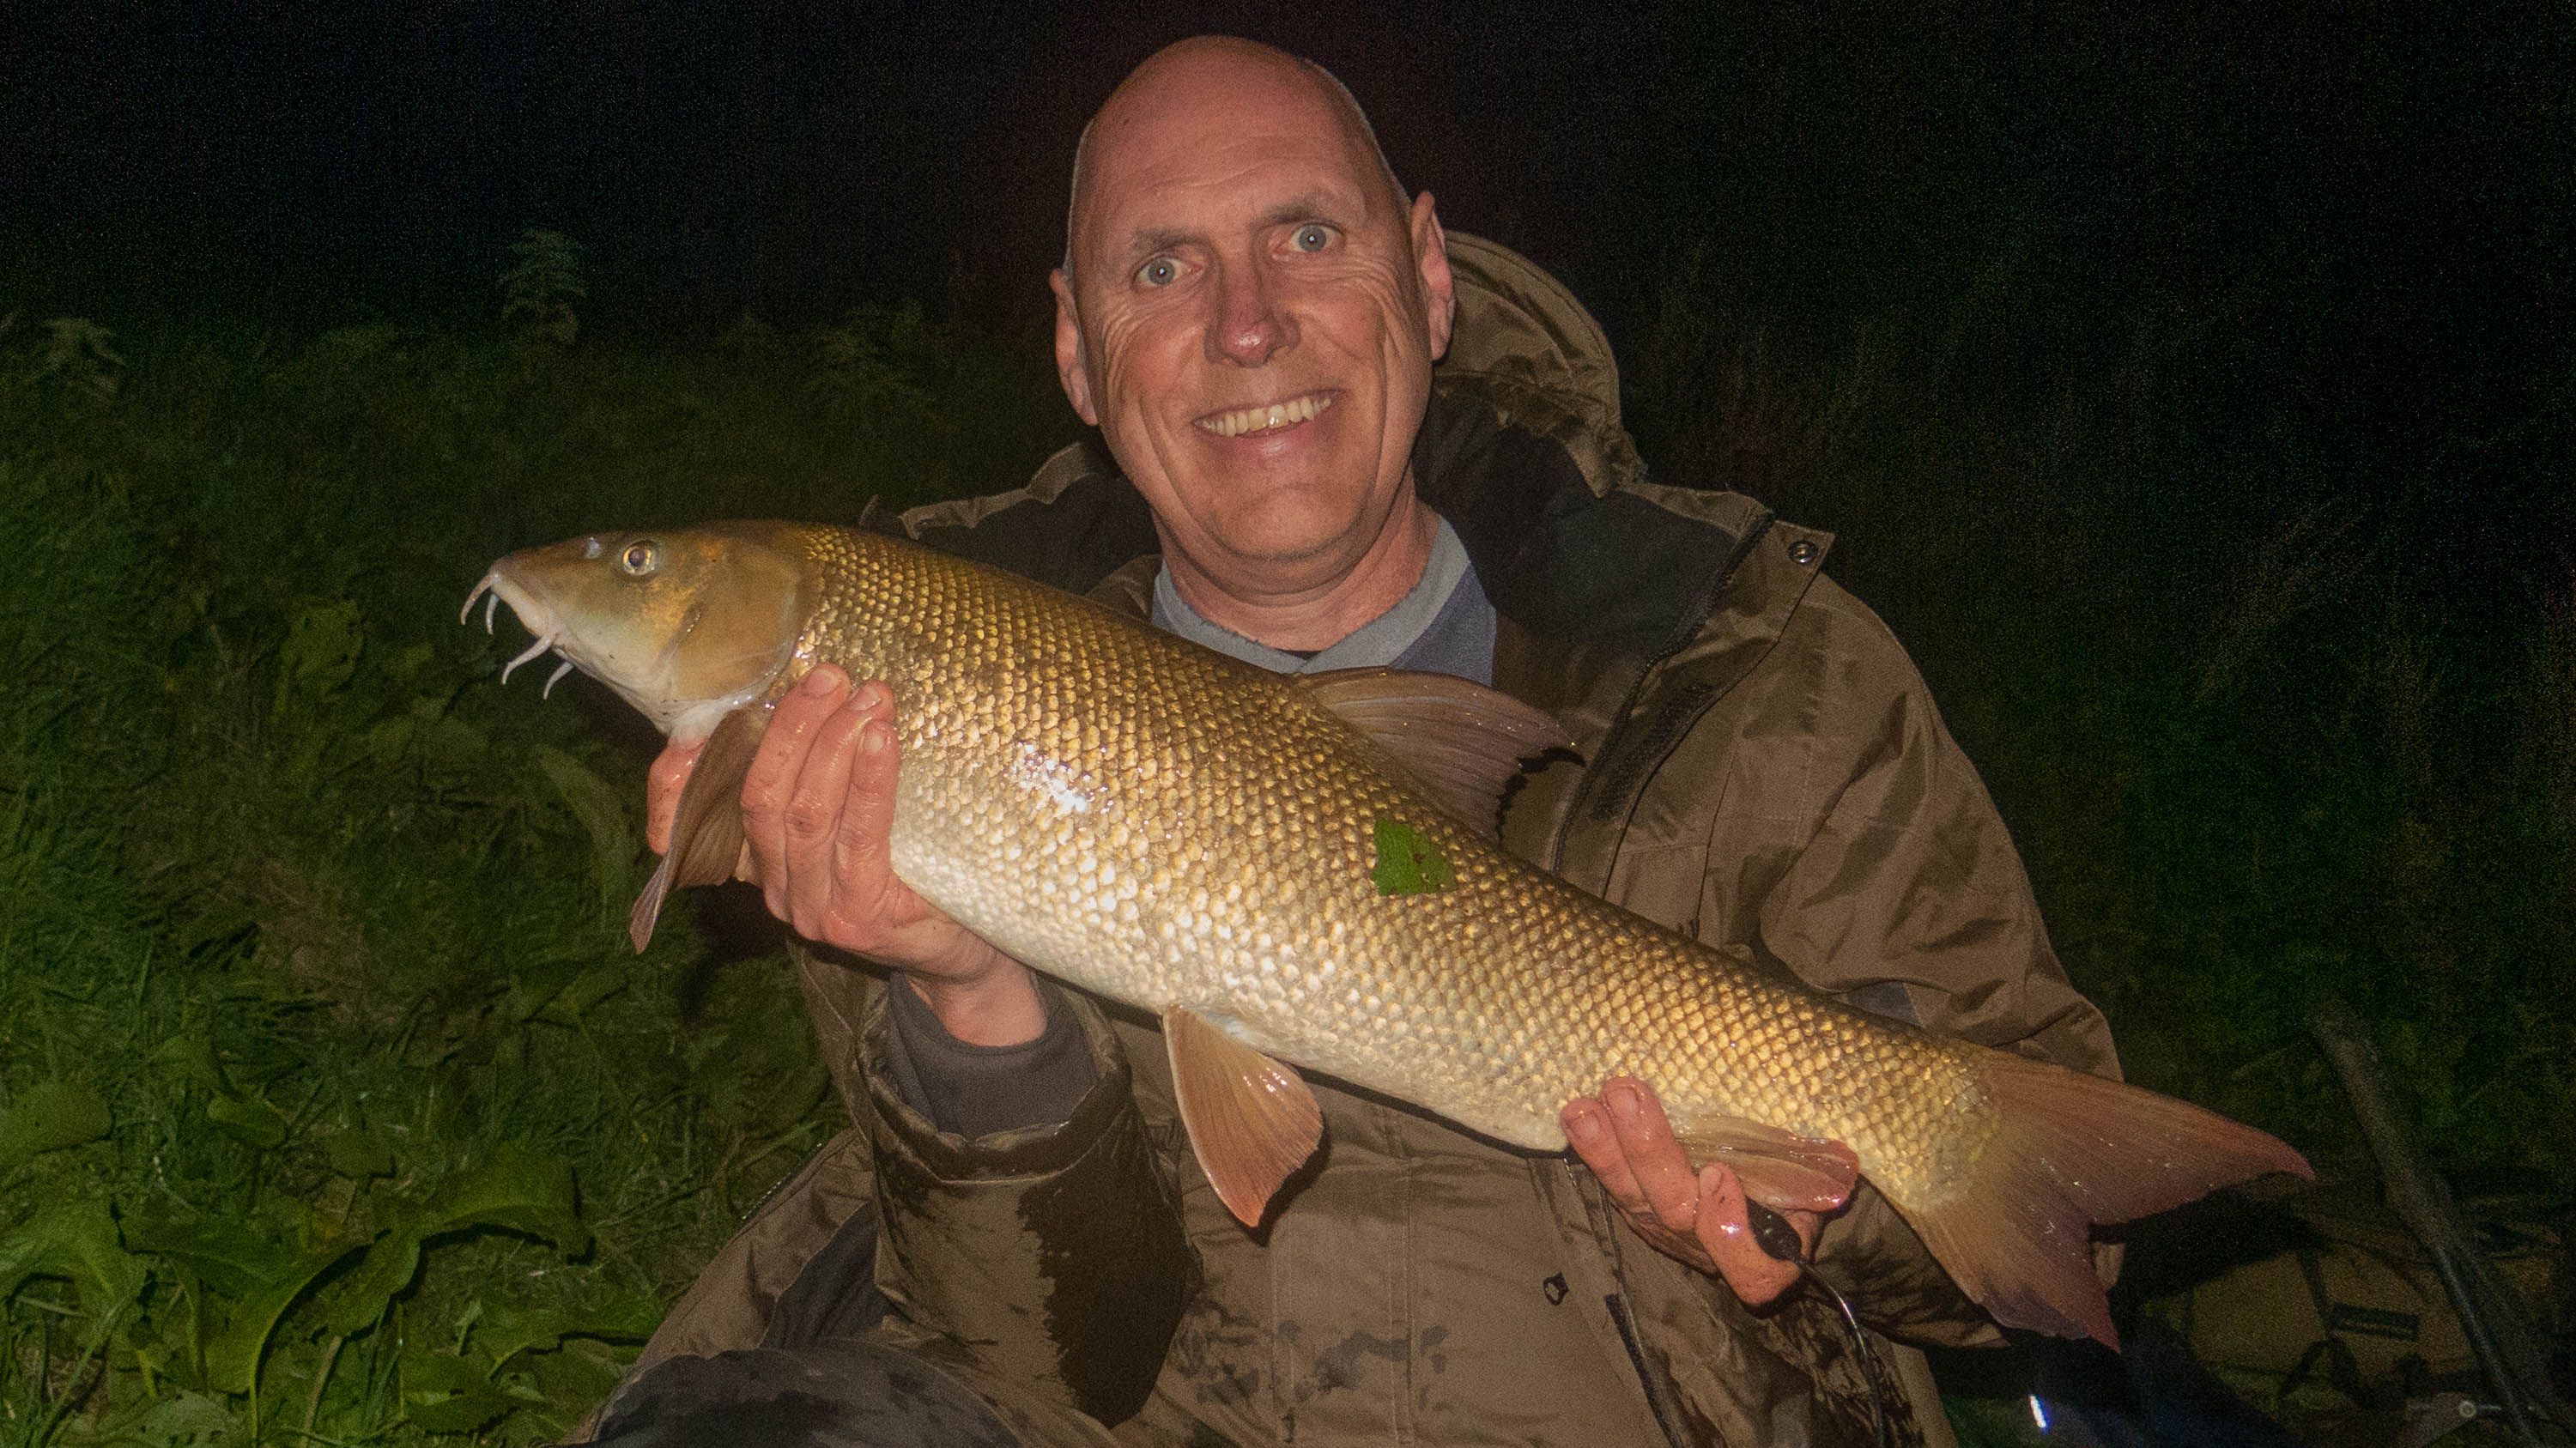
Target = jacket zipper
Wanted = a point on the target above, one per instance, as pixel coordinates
(1610, 756)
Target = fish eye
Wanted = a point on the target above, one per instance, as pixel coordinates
(640, 557)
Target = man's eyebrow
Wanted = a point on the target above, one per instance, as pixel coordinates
(1314, 205)
(1146, 242)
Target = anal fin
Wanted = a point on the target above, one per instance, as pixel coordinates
(1779, 1170)
(1252, 1121)
(706, 830)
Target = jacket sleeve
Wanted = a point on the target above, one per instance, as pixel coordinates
(1909, 900)
(1049, 1258)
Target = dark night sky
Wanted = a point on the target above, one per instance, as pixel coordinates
(2390, 184)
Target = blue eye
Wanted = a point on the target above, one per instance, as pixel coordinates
(1162, 271)
(1312, 237)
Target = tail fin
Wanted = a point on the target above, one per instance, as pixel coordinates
(2070, 1151)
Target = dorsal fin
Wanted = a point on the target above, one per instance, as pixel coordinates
(706, 830)
(1460, 741)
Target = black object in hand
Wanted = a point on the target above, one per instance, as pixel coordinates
(1774, 1232)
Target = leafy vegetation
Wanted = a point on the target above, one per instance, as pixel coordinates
(333, 1106)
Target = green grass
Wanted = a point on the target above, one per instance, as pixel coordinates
(337, 1110)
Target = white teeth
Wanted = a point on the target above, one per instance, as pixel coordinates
(1262, 419)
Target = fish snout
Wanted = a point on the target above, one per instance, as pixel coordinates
(499, 586)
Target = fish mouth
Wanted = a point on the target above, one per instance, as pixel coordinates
(498, 587)
(1267, 417)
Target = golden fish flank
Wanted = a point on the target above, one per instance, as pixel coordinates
(1197, 837)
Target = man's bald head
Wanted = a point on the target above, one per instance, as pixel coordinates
(1184, 71)
(1249, 310)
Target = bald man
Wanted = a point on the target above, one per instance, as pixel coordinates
(1011, 1244)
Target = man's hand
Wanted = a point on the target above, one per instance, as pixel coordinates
(817, 809)
(1625, 1139)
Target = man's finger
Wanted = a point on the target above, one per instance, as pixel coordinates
(770, 784)
(803, 893)
(1755, 1276)
(663, 785)
(1654, 1154)
(861, 841)
(1587, 1125)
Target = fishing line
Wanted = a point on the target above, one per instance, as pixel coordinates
(1779, 1239)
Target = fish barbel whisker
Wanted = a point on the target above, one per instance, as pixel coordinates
(491, 600)
(534, 649)
(555, 678)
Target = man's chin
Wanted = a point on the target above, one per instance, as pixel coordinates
(1294, 544)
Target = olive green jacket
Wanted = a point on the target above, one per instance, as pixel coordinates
(1756, 762)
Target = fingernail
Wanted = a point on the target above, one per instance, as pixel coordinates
(874, 737)
(870, 695)
(1582, 1124)
(1624, 1098)
(821, 682)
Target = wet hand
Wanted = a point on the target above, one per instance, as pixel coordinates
(1698, 1219)
(818, 814)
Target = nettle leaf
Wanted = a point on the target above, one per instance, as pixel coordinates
(520, 1190)
(77, 1241)
(232, 1256)
(507, 1331)
(602, 813)
(188, 1420)
(233, 1355)
(1408, 862)
(443, 1394)
(587, 990)
(248, 1120)
(362, 1297)
(361, 1152)
(321, 651)
(48, 1117)
(190, 1061)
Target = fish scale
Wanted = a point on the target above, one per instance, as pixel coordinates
(1197, 837)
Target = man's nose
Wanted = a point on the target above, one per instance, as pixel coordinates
(1249, 325)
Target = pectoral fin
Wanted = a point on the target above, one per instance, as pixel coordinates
(1780, 1171)
(1252, 1120)
(706, 830)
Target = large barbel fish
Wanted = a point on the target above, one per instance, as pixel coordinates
(1203, 839)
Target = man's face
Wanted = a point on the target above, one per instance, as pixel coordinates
(1254, 318)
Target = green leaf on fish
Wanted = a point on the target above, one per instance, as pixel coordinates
(1408, 863)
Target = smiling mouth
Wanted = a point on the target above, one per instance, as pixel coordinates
(1245, 420)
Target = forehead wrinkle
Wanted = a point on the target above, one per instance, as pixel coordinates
(1117, 122)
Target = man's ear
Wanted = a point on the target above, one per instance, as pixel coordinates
(1439, 289)
(1071, 368)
